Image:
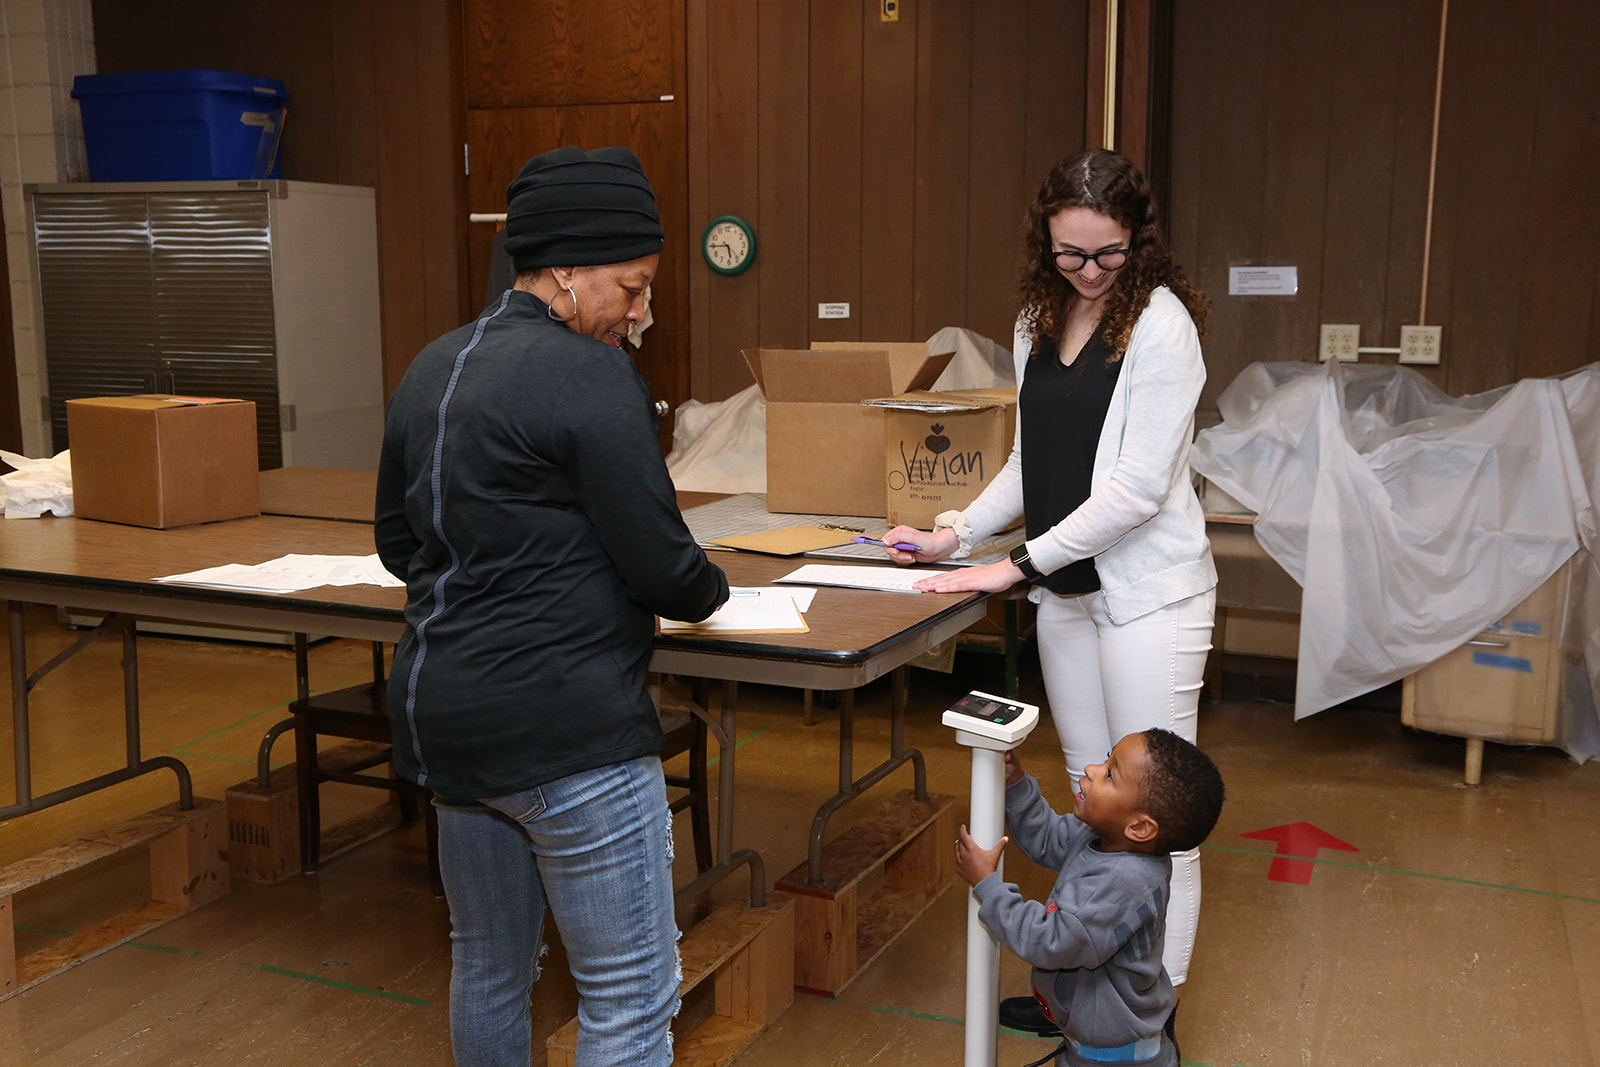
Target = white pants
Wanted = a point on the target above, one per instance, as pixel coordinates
(1106, 681)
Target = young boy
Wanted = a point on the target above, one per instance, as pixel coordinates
(1095, 944)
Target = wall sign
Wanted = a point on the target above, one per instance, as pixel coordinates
(1263, 281)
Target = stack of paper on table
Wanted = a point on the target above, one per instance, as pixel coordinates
(752, 610)
(290, 574)
(884, 579)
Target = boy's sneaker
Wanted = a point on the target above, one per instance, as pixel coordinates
(1026, 1014)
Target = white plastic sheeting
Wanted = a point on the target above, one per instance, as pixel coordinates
(721, 446)
(36, 486)
(980, 363)
(1413, 519)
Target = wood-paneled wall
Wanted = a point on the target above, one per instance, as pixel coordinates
(1301, 135)
(10, 402)
(374, 99)
(888, 164)
(882, 164)
(586, 92)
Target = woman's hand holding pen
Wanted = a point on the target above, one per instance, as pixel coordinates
(931, 547)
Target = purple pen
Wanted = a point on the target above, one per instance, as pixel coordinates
(904, 546)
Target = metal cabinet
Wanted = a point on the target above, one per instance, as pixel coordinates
(262, 290)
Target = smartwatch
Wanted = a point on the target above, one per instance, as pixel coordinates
(1019, 559)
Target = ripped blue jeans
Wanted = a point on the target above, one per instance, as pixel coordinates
(596, 848)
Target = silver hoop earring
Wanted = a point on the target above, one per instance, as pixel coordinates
(551, 308)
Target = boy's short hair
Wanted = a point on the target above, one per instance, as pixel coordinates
(1182, 791)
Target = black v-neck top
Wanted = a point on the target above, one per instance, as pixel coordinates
(1063, 410)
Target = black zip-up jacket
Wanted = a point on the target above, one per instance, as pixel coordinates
(523, 499)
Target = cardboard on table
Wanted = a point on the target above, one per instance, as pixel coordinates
(160, 460)
(943, 448)
(789, 541)
(824, 446)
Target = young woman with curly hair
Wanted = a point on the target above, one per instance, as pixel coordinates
(1107, 351)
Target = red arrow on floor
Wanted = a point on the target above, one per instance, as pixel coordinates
(1298, 844)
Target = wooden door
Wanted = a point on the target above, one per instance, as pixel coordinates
(541, 74)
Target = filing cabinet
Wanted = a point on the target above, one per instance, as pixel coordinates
(1502, 685)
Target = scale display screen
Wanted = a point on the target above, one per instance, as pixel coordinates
(988, 708)
(997, 719)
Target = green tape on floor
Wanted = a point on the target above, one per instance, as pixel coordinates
(183, 749)
(749, 737)
(1407, 874)
(332, 983)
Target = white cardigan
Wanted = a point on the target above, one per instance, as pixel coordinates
(1142, 522)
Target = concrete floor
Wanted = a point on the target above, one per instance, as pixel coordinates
(1464, 928)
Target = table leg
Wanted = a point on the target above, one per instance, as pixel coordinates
(1473, 772)
(716, 706)
(22, 683)
(19, 704)
(850, 789)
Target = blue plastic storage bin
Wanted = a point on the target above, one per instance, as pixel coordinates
(180, 125)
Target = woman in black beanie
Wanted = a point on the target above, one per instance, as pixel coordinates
(523, 498)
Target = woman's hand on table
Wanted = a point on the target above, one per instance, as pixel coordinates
(931, 547)
(989, 578)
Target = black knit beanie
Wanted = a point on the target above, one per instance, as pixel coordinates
(570, 208)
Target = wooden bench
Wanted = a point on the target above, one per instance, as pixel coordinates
(188, 867)
(878, 877)
(749, 954)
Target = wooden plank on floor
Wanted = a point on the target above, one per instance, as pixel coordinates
(72, 855)
(863, 848)
(188, 858)
(844, 922)
(87, 944)
(750, 953)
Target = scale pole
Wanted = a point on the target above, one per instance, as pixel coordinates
(991, 726)
(987, 825)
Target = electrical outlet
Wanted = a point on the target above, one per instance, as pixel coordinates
(1341, 341)
(1419, 344)
(889, 11)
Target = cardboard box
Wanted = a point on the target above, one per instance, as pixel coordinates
(943, 448)
(1217, 502)
(824, 446)
(160, 460)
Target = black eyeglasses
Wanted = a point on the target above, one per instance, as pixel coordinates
(1110, 259)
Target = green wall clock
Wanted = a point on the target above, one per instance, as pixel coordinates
(729, 245)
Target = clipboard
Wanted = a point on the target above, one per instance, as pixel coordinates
(789, 541)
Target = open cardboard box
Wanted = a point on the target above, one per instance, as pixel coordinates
(824, 446)
(161, 460)
(943, 448)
